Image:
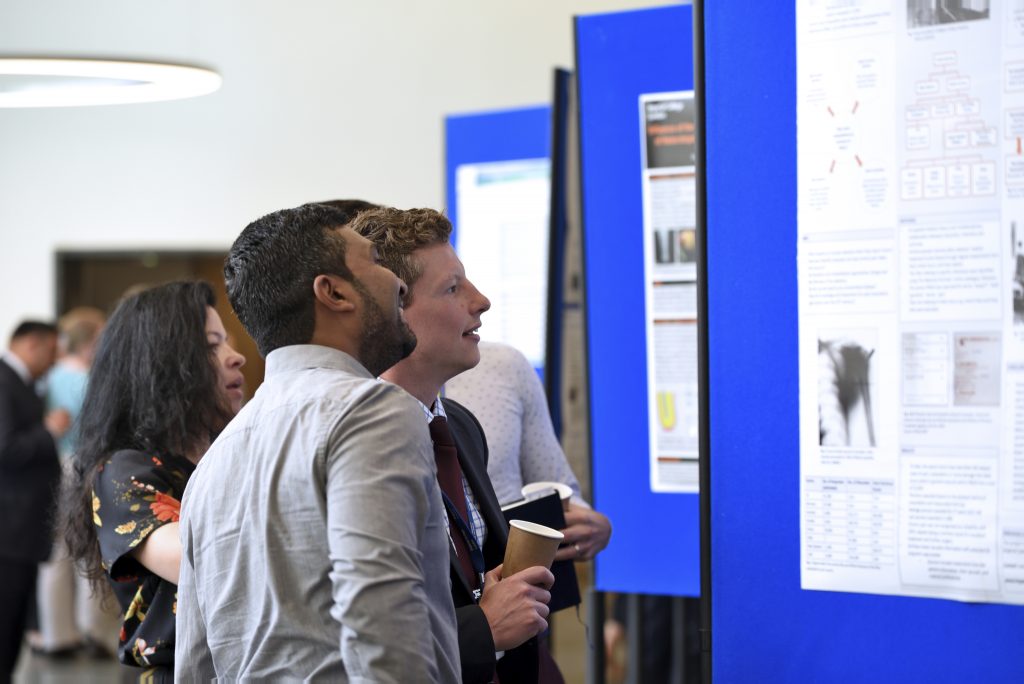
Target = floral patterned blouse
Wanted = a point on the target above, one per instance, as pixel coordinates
(134, 494)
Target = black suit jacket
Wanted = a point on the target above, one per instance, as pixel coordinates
(476, 647)
(29, 472)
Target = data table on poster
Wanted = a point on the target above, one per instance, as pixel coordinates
(849, 522)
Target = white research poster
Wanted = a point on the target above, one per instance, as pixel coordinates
(503, 210)
(910, 122)
(667, 138)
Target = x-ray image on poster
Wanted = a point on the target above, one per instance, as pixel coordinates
(910, 263)
(846, 415)
(668, 136)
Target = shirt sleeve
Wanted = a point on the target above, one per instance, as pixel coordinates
(134, 494)
(379, 478)
(541, 456)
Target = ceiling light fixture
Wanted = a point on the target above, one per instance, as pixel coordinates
(49, 82)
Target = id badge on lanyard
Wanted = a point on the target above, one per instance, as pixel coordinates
(476, 554)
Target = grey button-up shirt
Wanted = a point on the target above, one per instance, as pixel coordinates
(313, 536)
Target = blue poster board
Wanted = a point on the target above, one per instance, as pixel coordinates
(764, 627)
(655, 543)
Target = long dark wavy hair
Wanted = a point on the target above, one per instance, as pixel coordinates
(153, 387)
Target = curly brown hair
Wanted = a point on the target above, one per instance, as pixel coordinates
(398, 233)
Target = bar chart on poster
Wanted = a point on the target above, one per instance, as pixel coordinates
(911, 297)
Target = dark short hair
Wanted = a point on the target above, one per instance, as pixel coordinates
(26, 328)
(270, 269)
(351, 206)
(400, 232)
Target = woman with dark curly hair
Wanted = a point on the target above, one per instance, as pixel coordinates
(164, 383)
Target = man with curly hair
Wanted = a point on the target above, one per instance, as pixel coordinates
(499, 617)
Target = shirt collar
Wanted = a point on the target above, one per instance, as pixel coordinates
(431, 412)
(304, 356)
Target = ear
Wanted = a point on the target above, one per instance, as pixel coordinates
(334, 292)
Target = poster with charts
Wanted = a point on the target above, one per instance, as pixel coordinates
(667, 136)
(910, 261)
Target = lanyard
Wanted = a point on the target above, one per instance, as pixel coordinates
(476, 555)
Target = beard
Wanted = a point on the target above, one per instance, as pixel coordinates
(386, 341)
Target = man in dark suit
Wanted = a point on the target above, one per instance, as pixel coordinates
(29, 476)
(499, 617)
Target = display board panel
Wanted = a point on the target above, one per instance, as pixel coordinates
(499, 198)
(764, 626)
(621, 58)
(909, 170)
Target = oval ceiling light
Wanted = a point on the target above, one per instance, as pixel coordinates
(49, 82)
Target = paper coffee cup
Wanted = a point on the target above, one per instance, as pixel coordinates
(537, 489)
(529, 544)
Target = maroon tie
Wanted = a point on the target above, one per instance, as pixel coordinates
(449, 476)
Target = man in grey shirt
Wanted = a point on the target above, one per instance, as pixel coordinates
(312, 532)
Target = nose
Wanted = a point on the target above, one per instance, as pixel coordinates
(482, 303)
(235, 358)
(403, 289)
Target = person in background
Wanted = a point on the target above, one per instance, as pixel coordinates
(497, 616)
(79, 332)
(29, 478)
(504, 392)
(70, 615)
(164, 382)
(314, 547)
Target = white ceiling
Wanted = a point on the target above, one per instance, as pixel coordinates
(320, 99)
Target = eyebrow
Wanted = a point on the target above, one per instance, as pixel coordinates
(452, 278)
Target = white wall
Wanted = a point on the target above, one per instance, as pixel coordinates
(321, 99)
